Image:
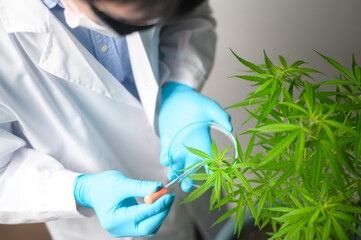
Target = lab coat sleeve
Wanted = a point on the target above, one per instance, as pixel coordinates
(187, 48)
(34, 187)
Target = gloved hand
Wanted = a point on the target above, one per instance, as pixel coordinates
(111, 194)
(182, 105)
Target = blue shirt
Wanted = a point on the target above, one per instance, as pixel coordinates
(111, 52)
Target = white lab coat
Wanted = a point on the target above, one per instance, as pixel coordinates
(62, 113)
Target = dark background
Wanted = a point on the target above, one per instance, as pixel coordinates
(24, 232)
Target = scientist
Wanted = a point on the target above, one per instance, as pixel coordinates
(86, 88)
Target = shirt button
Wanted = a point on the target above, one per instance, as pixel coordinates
(104, 48)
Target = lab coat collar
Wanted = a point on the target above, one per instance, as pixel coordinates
(34, 16)
(31, 16)
(62, 55)
(65, 57)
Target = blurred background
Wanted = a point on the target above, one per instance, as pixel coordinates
(291, 28)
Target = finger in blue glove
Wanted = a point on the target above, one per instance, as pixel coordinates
(112, 195)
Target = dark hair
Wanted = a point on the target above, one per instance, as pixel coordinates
(163, 9)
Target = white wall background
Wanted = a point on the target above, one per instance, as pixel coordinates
(291, 28)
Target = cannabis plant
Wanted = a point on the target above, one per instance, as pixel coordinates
(300, 172)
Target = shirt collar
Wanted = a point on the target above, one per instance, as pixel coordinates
(52, 3)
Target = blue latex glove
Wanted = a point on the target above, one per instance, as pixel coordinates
(111, 194)
(182, 105)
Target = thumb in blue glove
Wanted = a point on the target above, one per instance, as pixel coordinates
(112, 195)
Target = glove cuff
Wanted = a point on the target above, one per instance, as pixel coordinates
(172, 87)
(81, 190)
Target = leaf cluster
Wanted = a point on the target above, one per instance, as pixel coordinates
(305, 182)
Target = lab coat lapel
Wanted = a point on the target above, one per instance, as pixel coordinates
(143, 51)
(66, 58)
(63, 55)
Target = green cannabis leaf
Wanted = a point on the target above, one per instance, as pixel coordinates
(306, 182)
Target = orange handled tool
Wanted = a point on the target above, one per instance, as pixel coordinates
(149, 199)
